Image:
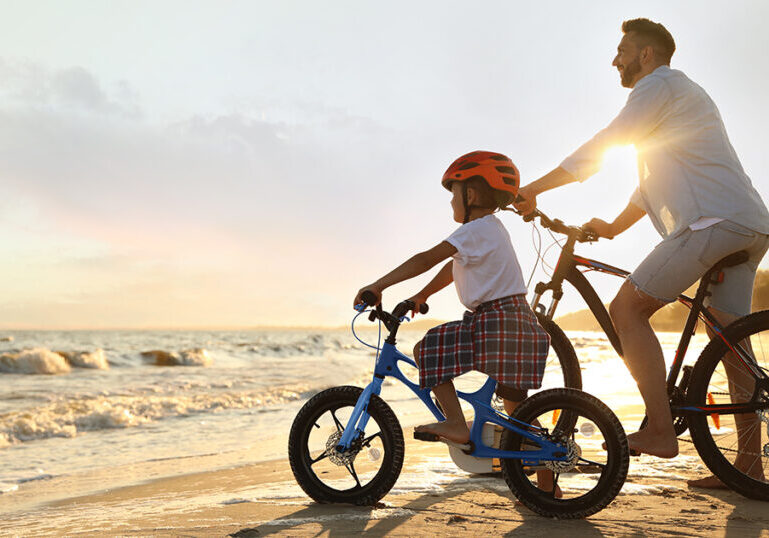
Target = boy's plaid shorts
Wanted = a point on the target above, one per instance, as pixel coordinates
(501, 338)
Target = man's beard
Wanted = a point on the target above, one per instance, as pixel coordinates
(630, 71)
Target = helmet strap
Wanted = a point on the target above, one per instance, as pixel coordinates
(464, 202)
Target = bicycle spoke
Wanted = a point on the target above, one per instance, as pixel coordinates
(339, 426)
(351, 468)
(555, 484)
(370, 438)
(600, 465)
(316, 460)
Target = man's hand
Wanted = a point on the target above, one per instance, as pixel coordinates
(601, 227)
(527, 200)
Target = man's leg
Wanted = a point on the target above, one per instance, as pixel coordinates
(630, 311)
(741, 385)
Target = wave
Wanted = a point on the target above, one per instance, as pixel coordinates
(73, 416)
(34, 361)
(187, 357)
(44, 361)
(86, 359)
(313, 344)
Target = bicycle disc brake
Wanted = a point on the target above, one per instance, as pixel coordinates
(336, 457)
(573, 455)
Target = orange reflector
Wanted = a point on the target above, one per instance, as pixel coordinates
(716, 417)
(556, 414)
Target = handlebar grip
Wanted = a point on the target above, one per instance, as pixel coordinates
(369, 298)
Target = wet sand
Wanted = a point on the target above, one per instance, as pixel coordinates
(431, 497)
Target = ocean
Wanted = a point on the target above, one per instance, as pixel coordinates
(95, 402)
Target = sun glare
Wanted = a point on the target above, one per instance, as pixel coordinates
(620, 159)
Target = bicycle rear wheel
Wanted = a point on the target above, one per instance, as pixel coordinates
(592, 477)
(362, 475)
(562, 367)
(735, 447)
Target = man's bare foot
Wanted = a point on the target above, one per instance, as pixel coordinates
(749, 466)
(709, 482)
(660, 445)
(453, 431)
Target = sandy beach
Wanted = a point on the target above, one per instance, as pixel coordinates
(431, 497)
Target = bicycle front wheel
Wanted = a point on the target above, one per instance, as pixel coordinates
(735, 447)
(360, 476)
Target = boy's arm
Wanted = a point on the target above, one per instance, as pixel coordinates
(414, 266)
(444, 277)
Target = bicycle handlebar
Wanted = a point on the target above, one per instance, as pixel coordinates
(400, 310)
(580, 233)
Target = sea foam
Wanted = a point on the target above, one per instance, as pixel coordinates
(72, 416)
(34, 361)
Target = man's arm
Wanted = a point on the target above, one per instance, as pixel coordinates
(551, 180)
(645, 109)
(629, 216)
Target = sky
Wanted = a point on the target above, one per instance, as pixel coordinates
(235, 164)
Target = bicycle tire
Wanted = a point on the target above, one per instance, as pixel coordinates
(302, 463)
(613, 471)
(564, 351)
(716, 448)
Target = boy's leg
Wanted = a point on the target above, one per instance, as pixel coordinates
(545, 478)
(454, 428)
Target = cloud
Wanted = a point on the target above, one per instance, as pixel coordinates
(74, 88)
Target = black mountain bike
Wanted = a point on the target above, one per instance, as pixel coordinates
(723, 399)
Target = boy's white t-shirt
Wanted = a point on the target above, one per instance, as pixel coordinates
(485, 266)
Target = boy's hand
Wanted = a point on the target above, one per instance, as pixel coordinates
(373, 289)
(526, 201)
(417, 300)
(601, 227)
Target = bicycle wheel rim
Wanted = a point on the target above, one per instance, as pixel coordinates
(339, 480)
(734, 447)
(599, 474)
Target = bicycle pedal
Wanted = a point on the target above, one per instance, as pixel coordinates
(426, 436)
(433, 438)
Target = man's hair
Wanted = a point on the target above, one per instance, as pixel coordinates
(653, 34)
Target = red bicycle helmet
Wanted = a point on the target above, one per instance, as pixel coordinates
(497, 170)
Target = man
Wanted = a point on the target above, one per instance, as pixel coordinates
(693, 187)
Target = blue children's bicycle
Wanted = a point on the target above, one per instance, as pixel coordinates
(346, 445)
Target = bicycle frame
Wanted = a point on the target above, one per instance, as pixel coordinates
(568, 269)
(387, 366)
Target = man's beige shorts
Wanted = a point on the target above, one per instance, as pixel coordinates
(679, 261)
